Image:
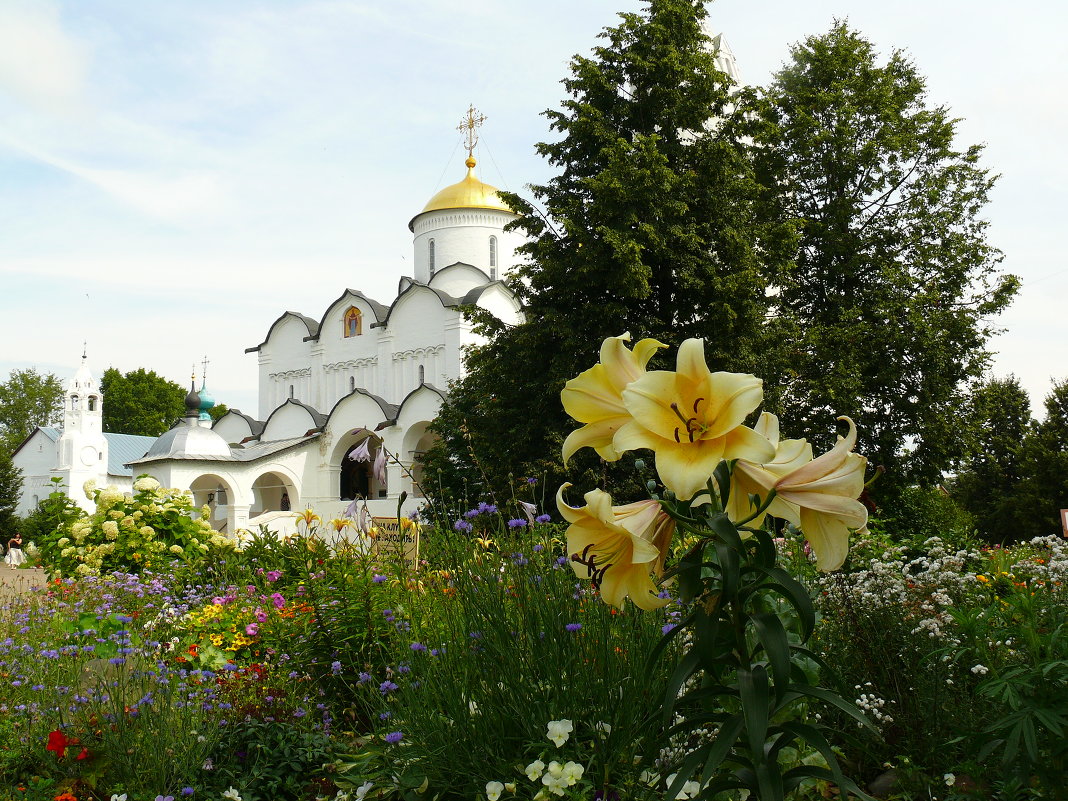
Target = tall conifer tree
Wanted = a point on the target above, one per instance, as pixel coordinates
(649, 226)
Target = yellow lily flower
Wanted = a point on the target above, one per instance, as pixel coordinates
(692, 419)
(618, 547)
(820, 498)
(308, 517)
(339, 524)
(753, 479)
(594, 397)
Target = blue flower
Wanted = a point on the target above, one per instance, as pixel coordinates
(335, 667)
(462, 525)
(573, 626)
(418, 646)
(394, 737)
(542, 519)
(387, 687)
(516, 522)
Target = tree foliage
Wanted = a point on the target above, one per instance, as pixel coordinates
(10, 492)
(28, 399)
(1014, 480)
(650, 225)
(886, 315)
(140, 402)
(989, 481)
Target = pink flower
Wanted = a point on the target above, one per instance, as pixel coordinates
(252, 629)
(261, 616)
(278, 600)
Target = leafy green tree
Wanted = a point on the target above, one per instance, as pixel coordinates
(140, 402)
(1045, 467)
(218, 410)
(10, 491)
(886, 316)
(650, 225)
(28, 399)
(989, 482)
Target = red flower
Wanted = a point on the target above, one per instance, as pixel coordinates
(57, 742)
(83, 754)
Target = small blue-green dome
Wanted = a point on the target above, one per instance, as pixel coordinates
(206, 403)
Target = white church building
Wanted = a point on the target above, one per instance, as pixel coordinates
(361, 370)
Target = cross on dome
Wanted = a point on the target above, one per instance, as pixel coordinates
(468, 128)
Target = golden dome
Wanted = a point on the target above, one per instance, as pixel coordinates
(470, 193)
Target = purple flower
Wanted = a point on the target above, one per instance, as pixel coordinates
(378, 578)
(539, 548)
(542, 519)
(299, 712)
(252, 629)
(335, 667)
(666, 628)
(418, 646)
(573, 626)
(387, 687)
(462, 525)
(364, 678)
(516, 522)
(362, 452)
(187, 791)
(277, 600)
(394, 737)
(274, 575)
(487, 508)
(261, 616)
(379, 468)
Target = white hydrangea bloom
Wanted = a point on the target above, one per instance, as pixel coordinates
(145, 484)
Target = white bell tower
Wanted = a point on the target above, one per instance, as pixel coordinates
(83, 450)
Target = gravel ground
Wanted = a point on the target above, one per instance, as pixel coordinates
(14, 582)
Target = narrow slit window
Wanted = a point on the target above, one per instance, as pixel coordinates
(430, 256)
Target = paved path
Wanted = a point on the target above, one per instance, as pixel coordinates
(13, 582)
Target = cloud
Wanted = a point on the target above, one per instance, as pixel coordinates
(40, 65)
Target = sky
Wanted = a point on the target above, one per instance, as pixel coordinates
(174, 176)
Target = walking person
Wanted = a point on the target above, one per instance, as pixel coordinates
(15, 556)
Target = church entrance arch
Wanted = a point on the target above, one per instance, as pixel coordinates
(272, 492)
(216, 493)
(357, 477)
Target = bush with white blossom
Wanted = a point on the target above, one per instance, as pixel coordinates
(131, 532)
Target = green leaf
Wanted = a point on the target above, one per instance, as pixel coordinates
(795, 593)
(721, 746)
(815, 738)
(769, 781)
(727, 532)
(836, 701)
(729, 573)
(755, 695)
(772, 637)
(682, 671)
